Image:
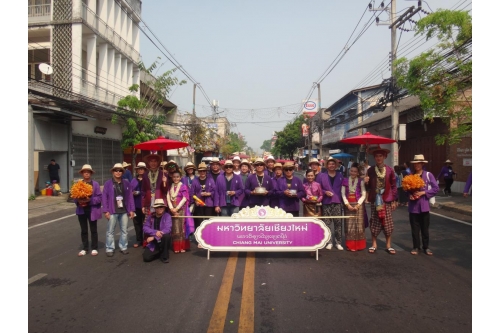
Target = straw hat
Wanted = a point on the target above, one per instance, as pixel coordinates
(228, 162)
(448, 162)
(314, 160)
(277, 165)
(151, 156)
(237, 158)
(288, 165)
(245, 161)
(214, 160)
(202, 167)
(419, 159)
(270, 158)
(332, 159)
(117, 166)
(259, 160)
(141, 165)
(86, 167)
(125, 164)
(189, 165)
(159, 203)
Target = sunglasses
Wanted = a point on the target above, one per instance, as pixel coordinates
(258, 165)
(171, 166)
(228, 167)
(121, 171)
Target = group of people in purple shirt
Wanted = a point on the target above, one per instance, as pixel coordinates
(167, 205)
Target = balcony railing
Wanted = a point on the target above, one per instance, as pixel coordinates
(96, 23)
(39, 10)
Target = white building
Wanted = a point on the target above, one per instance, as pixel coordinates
(92, 47)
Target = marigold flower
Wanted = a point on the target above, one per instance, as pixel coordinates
(81, 190)
(412, 183)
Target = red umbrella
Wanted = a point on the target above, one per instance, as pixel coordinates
(161, 144)
(367, 139)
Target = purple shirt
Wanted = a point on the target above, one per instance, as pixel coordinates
(95, 203)
(421, 205)
(324, 180)
(252, 183)
(209, 188)
(189, 183)
(137, 186)
(165, 227)
(290, 204)
(221, 189)
(313, 189)
(108, 197)
(468, 184)
(244, 199)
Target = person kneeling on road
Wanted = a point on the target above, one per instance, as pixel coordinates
(157, 230)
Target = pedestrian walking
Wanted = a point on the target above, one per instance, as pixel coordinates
(353, 196)
(331, 184)
(419, 207)
(290, 190)
(228, 190)
(137, 192)
(448, 175)
(88, 212)
(380, 183)
(53, 169)
(157, 229)
(313, 196)
(118, 206)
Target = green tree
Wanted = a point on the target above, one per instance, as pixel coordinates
(442, 76)
(289, 139)
(233, 143)
(141, 117)
(266, 145)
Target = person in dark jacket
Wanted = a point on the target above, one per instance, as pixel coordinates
(138, 194)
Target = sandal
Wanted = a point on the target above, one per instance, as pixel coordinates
(428, 252)
(391, 250)
(82, 253)
(414, 251)
(182, 251)
(372, 249)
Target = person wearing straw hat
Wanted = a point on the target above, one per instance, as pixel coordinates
(259, 186)
(331, 184)
(270, 161)
(189, 169)
(419, 206)
(127, 174)
(380, 182)
(316, 168)
(151, 182)
(157, 229)
(136, 185)
(228, 190)
(203, 188)
(117, 203)
(449, 175)
(245, 172)
(214, 169)
(274, 201)
(88, 212)
(290, 190)
(236, 163)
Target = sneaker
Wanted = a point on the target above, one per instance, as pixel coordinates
(94, 252)
(124, 251)
(82, 253)
(339, 247)
(110, 254)
(329, 246)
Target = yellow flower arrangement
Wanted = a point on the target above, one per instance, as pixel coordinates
(412, 183)
(81, 190)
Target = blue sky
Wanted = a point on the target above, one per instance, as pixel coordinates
(262, 55)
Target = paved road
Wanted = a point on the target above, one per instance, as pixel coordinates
(283, 292)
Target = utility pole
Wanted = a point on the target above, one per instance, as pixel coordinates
(320, 127)
(394, 23)
(194, 99)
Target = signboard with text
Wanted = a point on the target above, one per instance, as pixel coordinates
(310, 107)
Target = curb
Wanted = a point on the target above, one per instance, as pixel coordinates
(454, 209)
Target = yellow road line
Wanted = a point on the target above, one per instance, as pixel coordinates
(220, 310)
(246, 324)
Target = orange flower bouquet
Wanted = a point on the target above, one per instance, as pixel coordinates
(81, 191)
(412, 183)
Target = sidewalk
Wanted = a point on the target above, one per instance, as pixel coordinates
(456, 203)
(43, 205)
